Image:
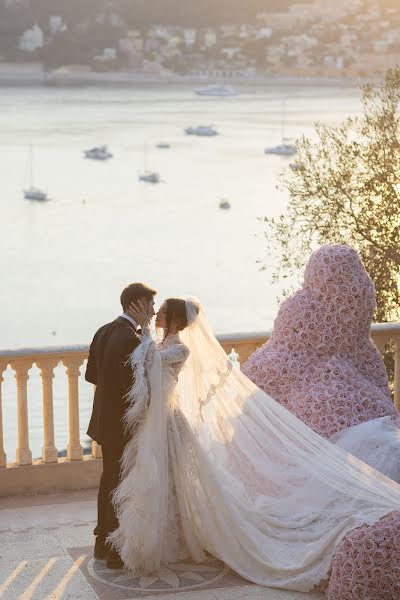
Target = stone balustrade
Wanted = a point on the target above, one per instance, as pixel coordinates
(73, 358)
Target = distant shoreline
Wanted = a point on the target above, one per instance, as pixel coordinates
(130, 79)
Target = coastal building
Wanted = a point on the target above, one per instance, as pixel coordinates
(348, 39)
(246, 32)
(175, 41)
(230, 53)
(56, 24)
(108, 54)
(333, 62)
(226, 72)
(308, 36)
(274, 55)
(210, 38)
(161, 32)
(264, 33)
(304, 61)
(189, 37)
(31, 39)
(300, 43)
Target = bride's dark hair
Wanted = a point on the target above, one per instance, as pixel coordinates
(176, 312)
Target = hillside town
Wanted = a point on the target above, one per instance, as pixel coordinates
(340, 39)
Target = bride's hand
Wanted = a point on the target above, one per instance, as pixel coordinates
(139, 313)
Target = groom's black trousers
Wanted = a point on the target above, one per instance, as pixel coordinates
(109, 370)
(106, 518)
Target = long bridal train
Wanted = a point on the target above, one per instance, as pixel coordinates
(248, 481)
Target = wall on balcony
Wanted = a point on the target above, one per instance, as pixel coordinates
(76, 471)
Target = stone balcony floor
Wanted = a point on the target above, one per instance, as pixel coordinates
(46, 553)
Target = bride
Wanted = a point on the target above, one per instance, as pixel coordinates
(214, 465)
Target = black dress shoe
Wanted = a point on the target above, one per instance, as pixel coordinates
(100, 548)
(114, 561)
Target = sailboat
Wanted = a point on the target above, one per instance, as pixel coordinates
(148, 176)
(163, 144)
(284, 148)
(33, 193)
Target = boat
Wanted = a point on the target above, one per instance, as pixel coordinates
(202, 131)
(224, 204)
(98, 153)
(149, 177)
(281, 150)
(284, 148)
(163, 145)
(33, 193)
(216, 89)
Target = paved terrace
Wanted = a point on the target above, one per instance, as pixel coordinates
(48, 506)
(46, 553)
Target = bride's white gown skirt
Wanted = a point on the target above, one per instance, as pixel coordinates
(376, 443)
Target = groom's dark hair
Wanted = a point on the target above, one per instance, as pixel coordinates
(134, 292)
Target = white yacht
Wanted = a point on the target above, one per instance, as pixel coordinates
(216, 89)
(202, 131)
(32, 192)
(149, 177)
(98, 153)
(281, 150)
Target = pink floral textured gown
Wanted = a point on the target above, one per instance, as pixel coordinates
(322, 365)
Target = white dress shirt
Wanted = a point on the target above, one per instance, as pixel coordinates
(131, 320)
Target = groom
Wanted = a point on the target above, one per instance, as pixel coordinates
(108, 370)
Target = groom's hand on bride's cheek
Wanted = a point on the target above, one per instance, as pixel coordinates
(139, 313)
(147, 309)
(133, 310)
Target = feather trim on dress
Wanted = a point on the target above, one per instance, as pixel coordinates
(142, 495)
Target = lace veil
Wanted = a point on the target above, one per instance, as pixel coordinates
(279, 498)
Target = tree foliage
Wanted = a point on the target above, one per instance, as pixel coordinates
(345, 188)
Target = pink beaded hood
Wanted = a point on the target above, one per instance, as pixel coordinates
(320, 362)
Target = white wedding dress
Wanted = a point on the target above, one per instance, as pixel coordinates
(173, 356)
(215, 465)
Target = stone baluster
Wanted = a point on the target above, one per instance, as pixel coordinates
(74, 448)
(47, 366)
(21, 368)
(3, 458)
(96, 450)
(380, 342)
(397, 372)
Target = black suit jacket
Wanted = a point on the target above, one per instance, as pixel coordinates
(106, 369)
